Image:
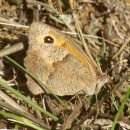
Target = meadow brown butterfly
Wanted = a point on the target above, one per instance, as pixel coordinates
(56, 60)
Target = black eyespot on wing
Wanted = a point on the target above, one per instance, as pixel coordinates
(48, 39)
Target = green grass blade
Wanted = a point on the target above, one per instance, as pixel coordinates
(120, 109)
(37, 80)
(4, 85)
(21, 120)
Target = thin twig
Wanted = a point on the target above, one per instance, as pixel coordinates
(121, 49)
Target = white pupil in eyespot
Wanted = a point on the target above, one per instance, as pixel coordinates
(48, 39)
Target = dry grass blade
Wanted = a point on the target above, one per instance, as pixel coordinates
(12, 49)
(40, 122)
(121, 49)
(71, 117)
